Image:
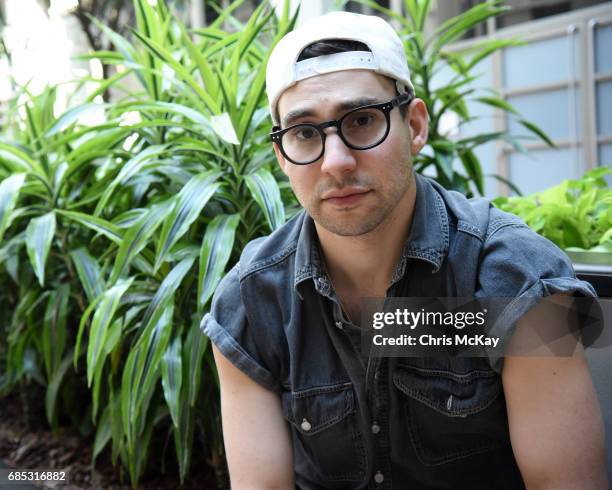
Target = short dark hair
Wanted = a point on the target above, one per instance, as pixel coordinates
(331, 46)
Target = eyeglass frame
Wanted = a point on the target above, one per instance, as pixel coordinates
(386, 107)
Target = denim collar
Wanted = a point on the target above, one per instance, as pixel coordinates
(428, 240)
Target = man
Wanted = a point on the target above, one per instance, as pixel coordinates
(301, 405)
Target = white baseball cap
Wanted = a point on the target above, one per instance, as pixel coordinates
(387, 55)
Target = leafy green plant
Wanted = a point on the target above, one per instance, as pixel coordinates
(575, 215)
(427, 56)
(115, 235)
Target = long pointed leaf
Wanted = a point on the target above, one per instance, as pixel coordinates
(99, 225)
(195, 346)
(130, 169)
(89, 273)
(122, 45)
(17, 159)
(189, 204)
(473, 169)
(112, 339)
(53, 389)
(538, 132)
(84, 319)
(71, 116)
(185, 76)
(266, 193)
(103, 432)
(100, 324)
(183, 439)
(222, 125)
(172, 378)
(164, 293)
(137, 237)
(498, 103)
(216, 250)
(9, 192)
(39, 235)
(54, 328)
(140, 373)
(202, 63)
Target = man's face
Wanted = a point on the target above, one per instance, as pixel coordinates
(375, 180)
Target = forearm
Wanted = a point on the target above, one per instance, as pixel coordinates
(566, 472)
(257, 440)
(556, 426)
(262, 485)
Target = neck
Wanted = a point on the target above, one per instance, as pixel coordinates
(374, 255)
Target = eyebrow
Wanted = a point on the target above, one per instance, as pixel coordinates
(295, 114)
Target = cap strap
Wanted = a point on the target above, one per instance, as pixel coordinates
(349, 60)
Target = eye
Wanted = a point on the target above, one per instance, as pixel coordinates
(361, 120)
(304, 133)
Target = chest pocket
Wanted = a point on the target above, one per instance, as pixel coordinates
(452, 415)
(326, 436)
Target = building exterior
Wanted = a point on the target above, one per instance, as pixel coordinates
(562, 81)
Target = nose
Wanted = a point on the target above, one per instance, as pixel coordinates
(338, 158)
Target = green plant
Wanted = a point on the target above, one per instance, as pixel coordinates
(116, 235)
(576, 214)
(117, 15)
(427, 57)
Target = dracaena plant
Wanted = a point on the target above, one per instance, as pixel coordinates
(115, 235)
(452, 161)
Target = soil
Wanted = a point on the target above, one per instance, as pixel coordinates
(29, 445)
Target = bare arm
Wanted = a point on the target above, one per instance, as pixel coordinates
(555, 422)
(257, 439)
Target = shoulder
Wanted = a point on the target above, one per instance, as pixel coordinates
(513, 259)
(261, 254)
(476, 216)
(270, 250)
(257, 255)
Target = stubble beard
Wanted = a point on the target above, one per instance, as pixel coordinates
(362, 220)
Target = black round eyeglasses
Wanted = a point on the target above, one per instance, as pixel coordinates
(360, 129)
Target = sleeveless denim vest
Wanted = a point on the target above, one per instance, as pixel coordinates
(403, 423)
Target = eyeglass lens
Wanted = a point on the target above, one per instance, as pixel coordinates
(361, 129)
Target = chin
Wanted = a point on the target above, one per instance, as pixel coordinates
(353, 226)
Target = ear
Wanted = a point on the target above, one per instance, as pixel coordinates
(418, 119)
(280, 158)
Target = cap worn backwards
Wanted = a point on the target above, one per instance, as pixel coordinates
(386, 55)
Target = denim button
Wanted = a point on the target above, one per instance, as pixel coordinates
(305, 425)
(339, 325)
(379, 477)
(375, 428)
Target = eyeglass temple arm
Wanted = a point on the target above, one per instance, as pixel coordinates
(402, 99)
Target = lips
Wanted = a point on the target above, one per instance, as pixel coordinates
(346, 197)
(348, 191)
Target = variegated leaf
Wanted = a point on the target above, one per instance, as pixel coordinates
(189, 204)
(266, 193)
(9, 191)
(216, 249)
(100, 324)
(39, 235)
